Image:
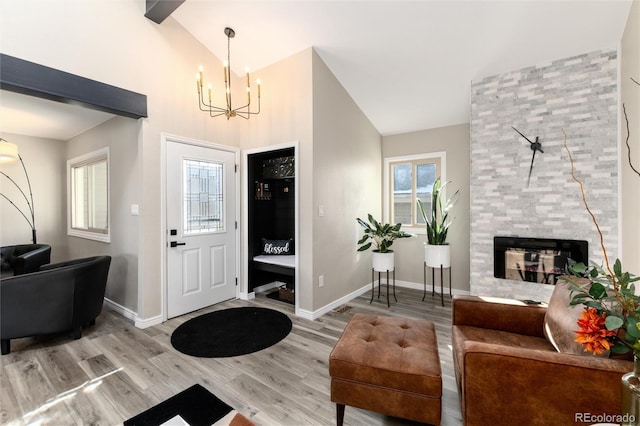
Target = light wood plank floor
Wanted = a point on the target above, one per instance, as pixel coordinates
(116, 370)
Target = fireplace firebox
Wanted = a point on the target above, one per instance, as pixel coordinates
(538, 260)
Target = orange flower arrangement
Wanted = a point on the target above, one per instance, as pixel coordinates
(593, 333)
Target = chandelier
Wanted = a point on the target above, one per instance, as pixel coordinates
(228, 111)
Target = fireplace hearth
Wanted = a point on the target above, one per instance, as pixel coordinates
(537, 260)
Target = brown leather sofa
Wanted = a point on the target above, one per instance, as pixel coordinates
(508, 373)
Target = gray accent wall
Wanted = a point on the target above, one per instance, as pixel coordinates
(578, 94)
(45, 162)
(120, 134)
(454, 141)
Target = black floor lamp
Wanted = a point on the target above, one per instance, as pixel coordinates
(9, 154)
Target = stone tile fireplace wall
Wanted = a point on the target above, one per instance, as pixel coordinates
(578, 94)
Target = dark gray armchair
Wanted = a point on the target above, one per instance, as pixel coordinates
(23, 258)
(60, 297)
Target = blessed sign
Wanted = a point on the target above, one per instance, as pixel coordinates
(276, 247)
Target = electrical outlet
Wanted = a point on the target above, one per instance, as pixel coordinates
(321, 281)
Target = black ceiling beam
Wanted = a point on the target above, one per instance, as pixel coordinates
(29, 78)
(159, 10)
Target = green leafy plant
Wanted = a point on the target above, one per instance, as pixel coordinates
(382, 235)
(438, 221)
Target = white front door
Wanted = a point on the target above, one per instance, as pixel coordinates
(201, 227)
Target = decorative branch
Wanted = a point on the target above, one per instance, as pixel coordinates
(634, 81)
(626, 119)
(593, 218)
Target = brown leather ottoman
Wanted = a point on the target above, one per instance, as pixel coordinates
(389, 365)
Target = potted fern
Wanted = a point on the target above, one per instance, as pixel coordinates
(437, 250)
(382, 236)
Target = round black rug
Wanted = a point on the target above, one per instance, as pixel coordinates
(231, 332)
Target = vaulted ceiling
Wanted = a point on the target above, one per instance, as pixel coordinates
(407, 64)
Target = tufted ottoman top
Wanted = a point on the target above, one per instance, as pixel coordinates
(397, 353)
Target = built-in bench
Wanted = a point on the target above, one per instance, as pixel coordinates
(279, 264)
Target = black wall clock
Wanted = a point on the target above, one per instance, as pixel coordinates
(535, 147)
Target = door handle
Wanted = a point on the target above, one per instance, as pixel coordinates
(176, 244)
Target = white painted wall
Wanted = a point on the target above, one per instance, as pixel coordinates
(112, 42)
(286, 117)
(346, 184)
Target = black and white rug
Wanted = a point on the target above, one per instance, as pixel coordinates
(194, 406)
(231, 332)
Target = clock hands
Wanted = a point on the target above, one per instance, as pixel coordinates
(531, 167)
(535, 146)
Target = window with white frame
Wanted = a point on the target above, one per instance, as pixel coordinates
(408, 179)
(88, 195)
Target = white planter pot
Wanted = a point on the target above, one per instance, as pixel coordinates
(437, 256)
(383, 262)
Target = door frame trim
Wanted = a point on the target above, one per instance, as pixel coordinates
(244, 293)
(164, 139)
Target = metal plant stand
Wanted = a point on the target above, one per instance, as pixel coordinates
(393, 274)
(433, 282)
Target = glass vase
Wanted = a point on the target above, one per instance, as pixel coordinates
(631, 394)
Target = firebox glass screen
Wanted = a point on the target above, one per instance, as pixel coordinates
(537, 266)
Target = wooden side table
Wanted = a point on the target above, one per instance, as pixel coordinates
(433, 282)
(393, 273)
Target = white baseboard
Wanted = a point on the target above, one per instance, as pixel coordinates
(303, 313)
(247, 296)
(125, 312)
(133, 316)
(420, 286)
(148, 322)
(313, 315)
